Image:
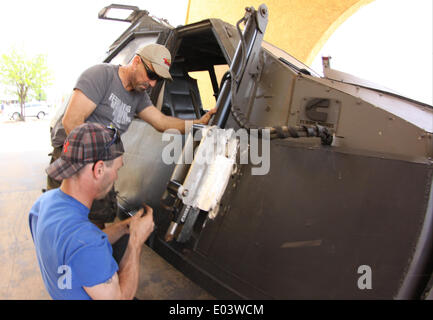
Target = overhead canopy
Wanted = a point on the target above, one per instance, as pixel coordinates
(297, 26)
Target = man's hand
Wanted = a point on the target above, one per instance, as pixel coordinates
(206, 117)
(141, 225)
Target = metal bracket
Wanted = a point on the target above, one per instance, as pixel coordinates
(103, 14)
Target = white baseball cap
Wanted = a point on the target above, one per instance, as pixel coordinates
(159, 57)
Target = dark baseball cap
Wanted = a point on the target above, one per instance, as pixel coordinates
(87, 143)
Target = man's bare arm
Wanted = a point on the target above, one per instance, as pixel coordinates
(162, 122)
(116, 230)
(80, 107)
(124, 283)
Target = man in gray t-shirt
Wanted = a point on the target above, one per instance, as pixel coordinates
(114, 105)
(113, 95)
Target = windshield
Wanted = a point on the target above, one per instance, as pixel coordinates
(282, 54)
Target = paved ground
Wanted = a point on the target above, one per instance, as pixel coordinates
(24, 148)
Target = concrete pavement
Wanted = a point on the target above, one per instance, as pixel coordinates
(24, 148)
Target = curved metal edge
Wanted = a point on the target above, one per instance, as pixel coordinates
(420, 268)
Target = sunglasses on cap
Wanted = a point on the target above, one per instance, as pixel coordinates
(152, 75)
(115, 139)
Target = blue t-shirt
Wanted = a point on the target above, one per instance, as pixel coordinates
(72, 252)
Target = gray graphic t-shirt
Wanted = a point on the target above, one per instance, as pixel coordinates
(114, 104)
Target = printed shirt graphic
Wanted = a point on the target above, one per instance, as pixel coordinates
(121, 111)
(114, 104)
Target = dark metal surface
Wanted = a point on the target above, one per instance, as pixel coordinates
(224, 105)
(144, 176)
(303, 230)
(305, 235)
(421, 267)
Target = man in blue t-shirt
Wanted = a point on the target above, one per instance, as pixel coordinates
(75, 256)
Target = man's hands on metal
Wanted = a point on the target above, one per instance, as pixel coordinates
(206, 117)
(141, 225)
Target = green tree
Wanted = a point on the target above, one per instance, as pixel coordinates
(29, 76)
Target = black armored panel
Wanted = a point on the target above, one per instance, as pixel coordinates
(342, 209)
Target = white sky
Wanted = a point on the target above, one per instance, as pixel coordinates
(388, 41)
(70, 32)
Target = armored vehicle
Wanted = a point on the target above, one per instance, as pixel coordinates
(313, 187)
